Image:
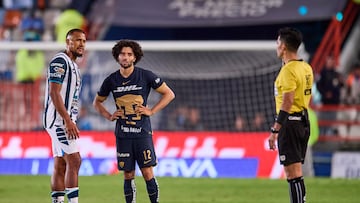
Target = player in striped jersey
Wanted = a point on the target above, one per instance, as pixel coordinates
(60, 114)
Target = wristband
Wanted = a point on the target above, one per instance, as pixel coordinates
(273, 130)
(281, 118)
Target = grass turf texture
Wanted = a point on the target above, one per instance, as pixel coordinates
(95, 189)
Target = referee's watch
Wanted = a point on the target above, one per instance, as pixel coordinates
(273, 130)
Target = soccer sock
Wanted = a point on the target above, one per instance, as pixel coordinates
(57, 196)
(130, 190)
(297, 190)
(72, 194)
(153, 190)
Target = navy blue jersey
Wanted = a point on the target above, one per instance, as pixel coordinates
(128, 93)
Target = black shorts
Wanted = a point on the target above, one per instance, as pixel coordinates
(139, 150)
(292, 141)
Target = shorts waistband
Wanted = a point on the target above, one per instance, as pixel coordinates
(294, 118)
(300, 113)
(297, 116)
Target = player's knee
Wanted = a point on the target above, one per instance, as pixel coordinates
(73, 160)
(128, 175)
(147, 173)
(59, 168)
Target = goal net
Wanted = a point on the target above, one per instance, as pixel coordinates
(219, 85)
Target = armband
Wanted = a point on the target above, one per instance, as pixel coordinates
(281, 118)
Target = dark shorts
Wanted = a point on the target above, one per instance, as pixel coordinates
(139, 150)
(292, 141)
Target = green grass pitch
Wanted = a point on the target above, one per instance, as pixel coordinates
(108, 189)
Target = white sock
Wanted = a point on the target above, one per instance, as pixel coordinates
(74, 200)
(72, 194)
(57, 197)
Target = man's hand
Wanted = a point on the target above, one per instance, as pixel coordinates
(143, 110)
(71, 130)
(116, 115)
(272, 141)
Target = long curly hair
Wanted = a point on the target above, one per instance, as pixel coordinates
(136, 48)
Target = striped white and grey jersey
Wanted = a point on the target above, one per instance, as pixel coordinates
(64, 71)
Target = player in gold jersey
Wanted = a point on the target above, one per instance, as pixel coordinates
(291, 128)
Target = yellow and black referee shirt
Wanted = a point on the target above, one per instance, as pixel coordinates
(296, 75)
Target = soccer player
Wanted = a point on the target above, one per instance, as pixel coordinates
(130, 87)
(61, 111)
(292, 96)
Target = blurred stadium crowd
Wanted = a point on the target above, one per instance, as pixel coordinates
(49, 20)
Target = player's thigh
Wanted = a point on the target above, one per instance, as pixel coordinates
(125, 154)
(145, 152)
(147, 173)
(60, 142)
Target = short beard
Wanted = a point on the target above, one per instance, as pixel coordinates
(127, 66)
(76, 54)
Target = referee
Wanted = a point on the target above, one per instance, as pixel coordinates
(292, 97)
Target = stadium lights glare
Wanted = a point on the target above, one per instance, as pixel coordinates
(339, 16)
(303, 10)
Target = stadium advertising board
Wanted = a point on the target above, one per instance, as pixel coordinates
(345, 165)
(187, 13)
(180, 154)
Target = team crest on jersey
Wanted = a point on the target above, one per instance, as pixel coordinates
(59, 70)
(121, 164)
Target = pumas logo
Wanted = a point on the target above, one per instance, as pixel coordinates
(127, 88)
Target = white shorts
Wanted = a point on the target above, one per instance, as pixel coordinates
(60, 142)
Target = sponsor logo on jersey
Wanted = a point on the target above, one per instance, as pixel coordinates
(55, 75)
(57, 64)
(123, 154)
(130, 129)
(127, 88)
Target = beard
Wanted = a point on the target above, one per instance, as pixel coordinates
(77, 54)
(126, 65)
